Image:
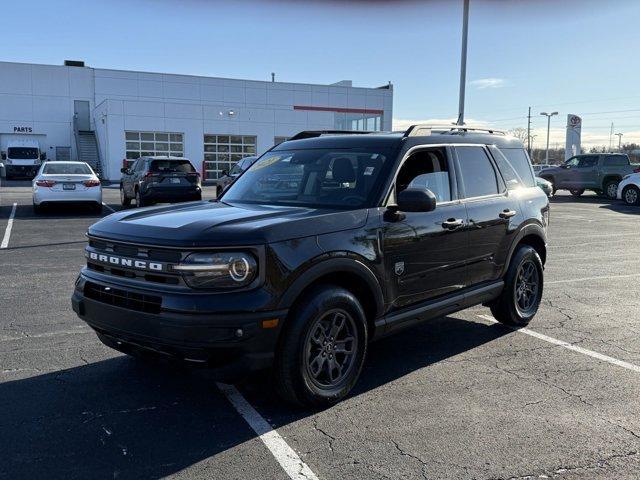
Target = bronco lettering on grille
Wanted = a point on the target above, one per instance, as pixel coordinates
(125, 262)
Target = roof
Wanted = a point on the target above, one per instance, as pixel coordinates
(387, 140)
(165, 157)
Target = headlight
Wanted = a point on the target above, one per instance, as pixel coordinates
(218, 270)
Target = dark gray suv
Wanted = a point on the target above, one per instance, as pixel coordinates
(159, 179)
(227, 178)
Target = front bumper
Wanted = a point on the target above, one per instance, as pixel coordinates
(231, 344)
(21, 170)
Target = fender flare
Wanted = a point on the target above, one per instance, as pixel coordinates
(529, 229)
(334, 265)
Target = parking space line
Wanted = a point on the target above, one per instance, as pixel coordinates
(282, 452)
(110, 208)
(7, 232)
(569, 346)
(601, 277)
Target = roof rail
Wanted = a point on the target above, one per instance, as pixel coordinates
(319, 133)
(417, 129)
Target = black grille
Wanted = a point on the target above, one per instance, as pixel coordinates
(122, 298)
(127, 250)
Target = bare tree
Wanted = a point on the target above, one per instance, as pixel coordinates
(520, 133)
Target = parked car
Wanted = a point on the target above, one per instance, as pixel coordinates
(228, 177)
(600, 172)
(377, 233)
(629, 189)
(546, 186)
(538, 167)
(159, 179)
(66, 182)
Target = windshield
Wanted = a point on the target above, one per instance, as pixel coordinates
(183, 166)
(22, 153)
(313, 178)
(67, 169)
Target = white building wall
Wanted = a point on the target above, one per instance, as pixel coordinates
(42, 96)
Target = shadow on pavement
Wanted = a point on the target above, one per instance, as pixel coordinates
(123, 418)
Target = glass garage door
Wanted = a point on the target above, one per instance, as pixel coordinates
(221, 152)
(146, 144)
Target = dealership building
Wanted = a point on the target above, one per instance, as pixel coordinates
(105, 117)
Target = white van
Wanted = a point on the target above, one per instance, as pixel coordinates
(22, 158)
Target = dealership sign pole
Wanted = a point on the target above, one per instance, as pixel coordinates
(574, 129)
(463, 62)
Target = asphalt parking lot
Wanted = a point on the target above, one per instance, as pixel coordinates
(458, 397)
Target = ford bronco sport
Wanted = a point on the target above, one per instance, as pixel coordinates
(328, 241)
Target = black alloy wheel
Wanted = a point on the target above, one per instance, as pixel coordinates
(330, 348)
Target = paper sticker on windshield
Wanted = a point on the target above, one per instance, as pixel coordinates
(369, 170)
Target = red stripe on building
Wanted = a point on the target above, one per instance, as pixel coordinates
(338, 109)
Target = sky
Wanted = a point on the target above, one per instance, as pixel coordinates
(571, 56)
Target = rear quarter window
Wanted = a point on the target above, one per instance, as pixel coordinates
(520, 162)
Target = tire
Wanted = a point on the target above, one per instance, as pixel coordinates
(124, 200)
(139, 201)
(610, 189)
(37, 209)
(510, 308)
(97, 208)
(576, 192)
(631, 195)
(324, 320)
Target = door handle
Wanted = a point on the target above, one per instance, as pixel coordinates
(506, 213)
(452, 223)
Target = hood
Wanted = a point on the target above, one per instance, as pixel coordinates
(204, 224)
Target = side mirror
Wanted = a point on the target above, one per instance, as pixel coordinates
(416, 200)
(125, 170)
(565, 166)
(224, 173)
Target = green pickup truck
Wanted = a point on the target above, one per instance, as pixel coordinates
(600, 172)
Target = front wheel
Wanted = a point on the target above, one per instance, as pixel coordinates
(631, 195)
(576, 192)
(322, 349)
(611, 189)
(519, 301)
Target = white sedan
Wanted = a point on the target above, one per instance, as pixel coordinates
(629, 189)
(71, 182)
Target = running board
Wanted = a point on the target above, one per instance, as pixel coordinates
(408, 317)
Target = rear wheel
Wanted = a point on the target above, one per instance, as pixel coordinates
(322, 349)
(139, 201)
(631, 195)
(576, 192)
(124, 200)
(522, 293)
(611, 189)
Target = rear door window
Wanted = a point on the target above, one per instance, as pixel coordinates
(478, 175)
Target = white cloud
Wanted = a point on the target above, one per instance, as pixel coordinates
(483, 83)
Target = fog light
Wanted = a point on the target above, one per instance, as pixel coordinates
(239, 333)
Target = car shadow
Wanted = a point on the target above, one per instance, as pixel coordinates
(126, 418)
(614, 205)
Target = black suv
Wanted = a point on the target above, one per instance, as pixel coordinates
(159, 179)
(327, 242)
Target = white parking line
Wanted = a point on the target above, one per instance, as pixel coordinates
(601, 277)
(7, 232)
(574, 348)
(282, 452)
(105, 205)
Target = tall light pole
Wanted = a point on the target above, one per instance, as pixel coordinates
(619, 135)
(463, 62)
(548, 115)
